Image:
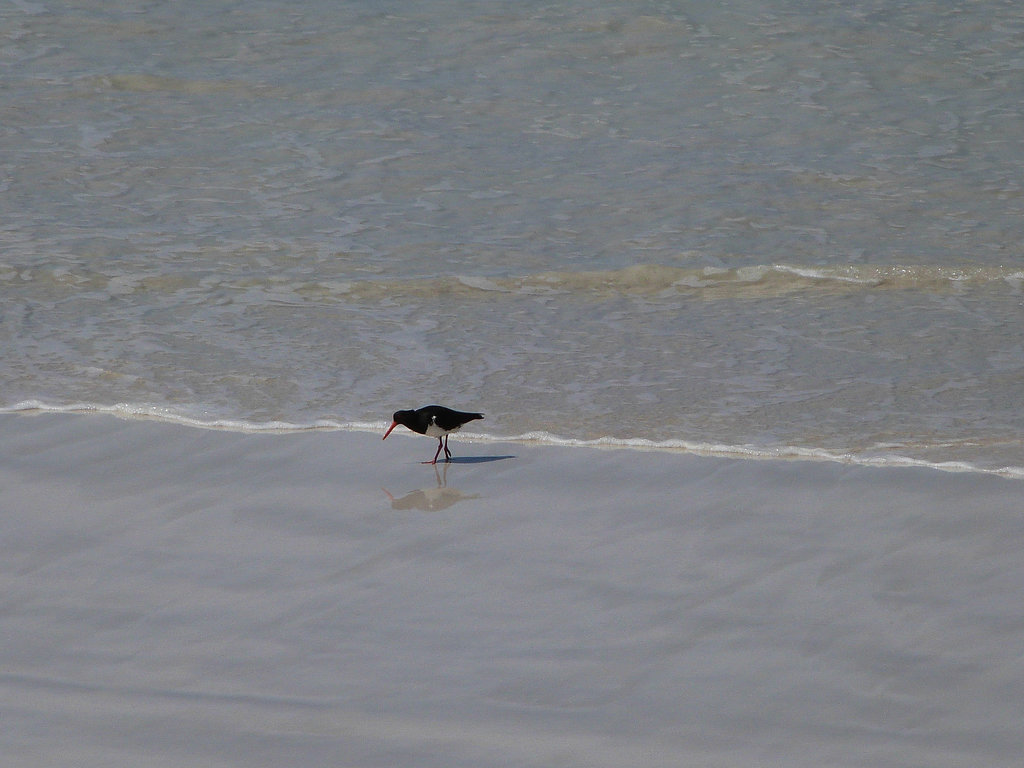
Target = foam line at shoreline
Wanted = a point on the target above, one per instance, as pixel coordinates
(739, 452)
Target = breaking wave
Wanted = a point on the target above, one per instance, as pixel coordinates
(646, 280)
(656, 280)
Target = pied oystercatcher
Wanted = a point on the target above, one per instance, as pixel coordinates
(433, 421)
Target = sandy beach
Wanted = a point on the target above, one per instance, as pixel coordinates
(176, 596)
(737, 286)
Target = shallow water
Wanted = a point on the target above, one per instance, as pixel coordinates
(783, 228)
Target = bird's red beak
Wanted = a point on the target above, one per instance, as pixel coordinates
(393, 425)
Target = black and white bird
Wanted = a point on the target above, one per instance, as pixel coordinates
(433, 421)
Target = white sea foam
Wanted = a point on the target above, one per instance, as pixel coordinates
(878, 458)
(759, 452)
(164, 413)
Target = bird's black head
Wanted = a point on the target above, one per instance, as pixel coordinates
(403, 417)
(406, 419)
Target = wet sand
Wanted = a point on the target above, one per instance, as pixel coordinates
(176, 596)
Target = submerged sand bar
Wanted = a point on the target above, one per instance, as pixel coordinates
(175, 596)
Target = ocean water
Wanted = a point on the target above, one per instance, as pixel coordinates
(784, 227)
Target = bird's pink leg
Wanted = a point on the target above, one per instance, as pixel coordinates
(436, 454)
(447, 453)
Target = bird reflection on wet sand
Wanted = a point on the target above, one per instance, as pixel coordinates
(441, 496)
(431, 499)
